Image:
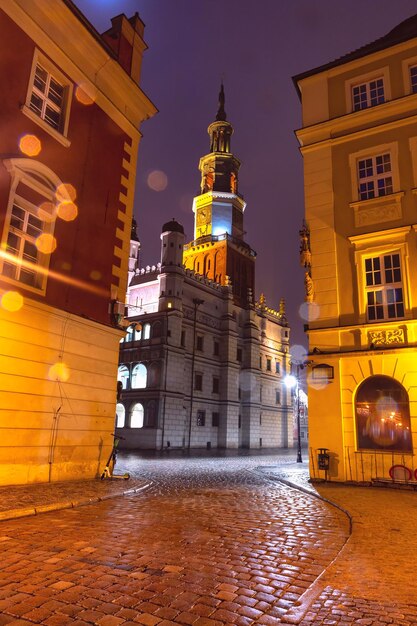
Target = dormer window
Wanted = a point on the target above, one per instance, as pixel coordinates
(368, 94)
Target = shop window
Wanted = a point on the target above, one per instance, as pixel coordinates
(383, 415)
(139, 376)
(123, 376)
(120, 415)
(136, 416)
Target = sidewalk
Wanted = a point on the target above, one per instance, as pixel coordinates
(23, 500)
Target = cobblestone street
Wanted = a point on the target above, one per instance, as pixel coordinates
(214, 540)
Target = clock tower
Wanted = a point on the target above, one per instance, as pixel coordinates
(218, 250)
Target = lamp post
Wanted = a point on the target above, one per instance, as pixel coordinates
(292, 381)
(196, 302)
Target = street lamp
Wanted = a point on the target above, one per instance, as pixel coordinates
(292, 381)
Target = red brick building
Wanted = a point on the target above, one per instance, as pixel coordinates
(69, 119)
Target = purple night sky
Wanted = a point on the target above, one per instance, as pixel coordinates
(256, 46)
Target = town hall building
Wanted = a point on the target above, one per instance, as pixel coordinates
(203, 362)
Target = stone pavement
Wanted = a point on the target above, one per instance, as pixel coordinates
(208, 541)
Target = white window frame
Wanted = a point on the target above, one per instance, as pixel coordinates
(367, 79)
(381, 288)
(377, 244)
(39, 178)
(61, 133)
(373, 152)
(407, 66)
(373, 170)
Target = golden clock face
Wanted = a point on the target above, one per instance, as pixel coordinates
(203, 217)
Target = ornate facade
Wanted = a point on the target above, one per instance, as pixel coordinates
(202, 363)
(359, 144)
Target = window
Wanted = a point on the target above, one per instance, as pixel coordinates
(216, 348)
(183, 338)
(413, 78)
(375, 176)
(368, 94)
(268, 364)
(260, 362)
(120, 415)
(215, 419)
(123, 376)
(198, 381)
(146, 330)
(383, 415)
(277, 396)
(216, 384)
(384, 293)
(199, 343)
(277, 367)
(27, 240)
(201, 418)
(139, 376)
(240, 421)
(151, 414)
(136, 416)
(48, 98)
(239, 355)
(137, 336)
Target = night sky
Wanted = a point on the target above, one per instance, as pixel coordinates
(255, 46)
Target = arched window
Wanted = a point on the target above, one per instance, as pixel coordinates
(123, 376)
(120, 415)
(383, 415)
(138, 333)
(146, 330)
(136, 416)
(139, 376)
(36, 198)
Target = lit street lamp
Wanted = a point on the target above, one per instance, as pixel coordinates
(292, 381)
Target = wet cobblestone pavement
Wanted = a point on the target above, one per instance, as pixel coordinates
(214, 540)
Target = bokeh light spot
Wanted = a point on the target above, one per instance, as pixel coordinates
(67, 211)
(95, 275)
(298, 353)
(85, 94)
(65, 192)
(59, 371)
(47, 212)
(316, 383)
(67, 267)
(309, 311)
(12, 301)
(46, 243)
(30, 145)
(157, 180)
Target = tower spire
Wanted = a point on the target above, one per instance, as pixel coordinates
(221, 113)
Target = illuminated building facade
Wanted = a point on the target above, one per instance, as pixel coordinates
(70, 120)
(359, 248)
(204, 368)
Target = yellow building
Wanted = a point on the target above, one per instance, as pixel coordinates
(359, 249)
